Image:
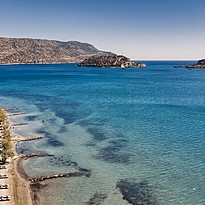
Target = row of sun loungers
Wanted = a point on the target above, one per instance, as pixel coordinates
(4, 186)
(2, 167)
(3, 176)
(4, 198)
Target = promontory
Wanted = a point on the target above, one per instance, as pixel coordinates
(39, 51)
(110, 61)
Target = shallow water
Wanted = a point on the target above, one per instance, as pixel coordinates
(139, 132)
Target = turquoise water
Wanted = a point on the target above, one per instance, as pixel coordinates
(138, 132)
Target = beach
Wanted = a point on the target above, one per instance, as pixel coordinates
(19, 187)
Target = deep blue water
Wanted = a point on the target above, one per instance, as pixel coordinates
(138, 132)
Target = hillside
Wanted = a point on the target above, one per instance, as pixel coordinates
(26, 51)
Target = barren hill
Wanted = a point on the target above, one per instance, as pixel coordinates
(26, 50)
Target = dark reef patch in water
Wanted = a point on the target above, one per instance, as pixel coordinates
(86, 123)
(25, 147)
(73, 112)
(113, 153)
(54, 142)
(97, 134)
(30, 118)
(62, 129)
(91, 144)
(136, 193)
(51, 139)
(43, 132)
(96, 199)
(65, 160)
(83, 170)
(37, 186)
(118, 143)
(22, 150)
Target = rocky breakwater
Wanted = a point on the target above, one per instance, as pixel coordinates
(67, 175)
(110, 61)
(199, 64)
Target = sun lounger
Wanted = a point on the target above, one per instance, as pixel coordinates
(4, 186)
(4, 198)
(3, 176)
(2, 167)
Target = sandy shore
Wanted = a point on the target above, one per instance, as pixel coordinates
(19, 186)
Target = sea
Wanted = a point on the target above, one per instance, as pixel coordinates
(136, 135)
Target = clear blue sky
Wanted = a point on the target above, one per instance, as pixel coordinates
(140, 29)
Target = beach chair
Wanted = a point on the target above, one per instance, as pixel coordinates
(4, 198)
(4, 186)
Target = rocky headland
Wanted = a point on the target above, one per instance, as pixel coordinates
(38, 51)
(110, 61)
(199, 64)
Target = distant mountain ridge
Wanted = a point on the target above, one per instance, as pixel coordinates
(34, 51)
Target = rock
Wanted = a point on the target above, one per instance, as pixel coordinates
(38, 51)
(199, 64)
(110, 61)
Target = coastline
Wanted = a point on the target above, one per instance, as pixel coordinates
(19, 186)
(54, 63)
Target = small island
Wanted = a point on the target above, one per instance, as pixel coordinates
(199, 64)
(110, 61)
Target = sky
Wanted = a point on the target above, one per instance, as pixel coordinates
(139, 29)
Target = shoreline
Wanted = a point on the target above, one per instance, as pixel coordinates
(20, 189)
(63, 63)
